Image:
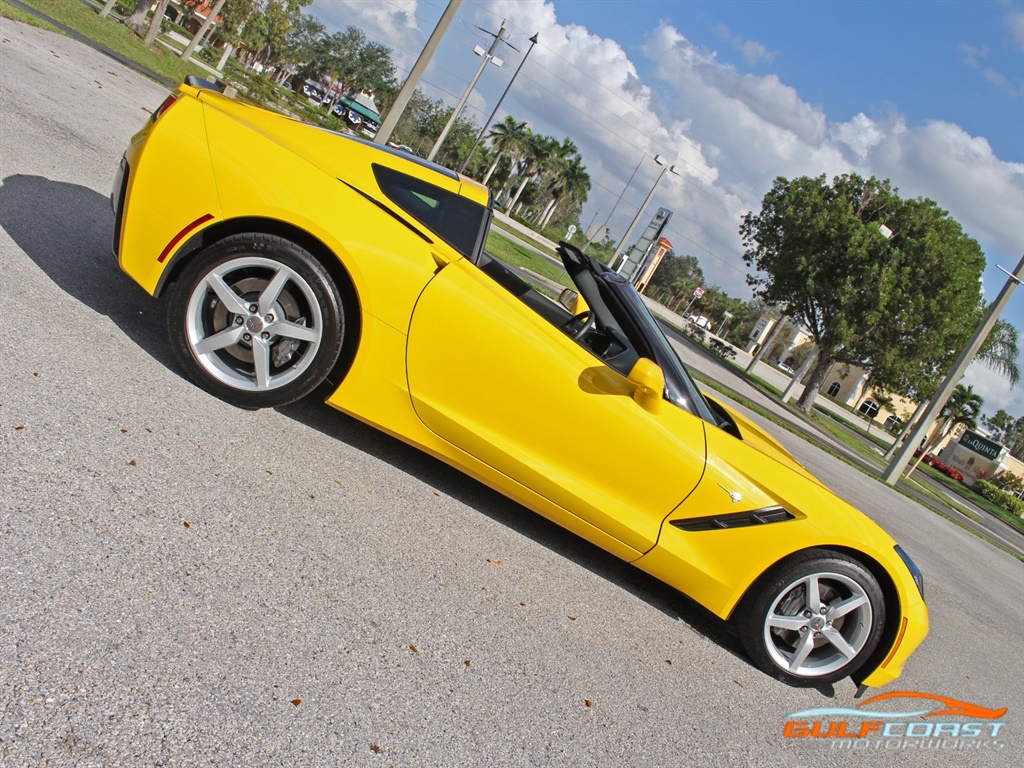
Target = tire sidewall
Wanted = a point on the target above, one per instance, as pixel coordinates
(295, 258)
(755, 607)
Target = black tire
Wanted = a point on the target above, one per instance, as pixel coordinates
(255, 320)
(816, 641)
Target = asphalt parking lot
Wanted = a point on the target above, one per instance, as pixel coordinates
(183, 583)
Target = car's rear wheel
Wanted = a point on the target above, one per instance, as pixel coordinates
(255, 320)
(814, 619)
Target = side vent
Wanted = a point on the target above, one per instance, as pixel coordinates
(734, 520)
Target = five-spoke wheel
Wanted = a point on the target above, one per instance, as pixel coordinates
(256, 320)
(815, 619)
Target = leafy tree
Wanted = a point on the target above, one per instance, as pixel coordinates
(963, 407)
(303, 44)
(896, 306)
(675, 281)
(1007, 430)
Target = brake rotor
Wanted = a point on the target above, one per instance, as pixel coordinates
(250, 288)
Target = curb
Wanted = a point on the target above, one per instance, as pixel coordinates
(74, 34)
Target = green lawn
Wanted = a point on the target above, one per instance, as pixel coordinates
(854, 442)
(114, 35)
(976, 499)
(515, 255)
(512, 231)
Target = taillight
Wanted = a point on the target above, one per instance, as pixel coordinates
(168, 103)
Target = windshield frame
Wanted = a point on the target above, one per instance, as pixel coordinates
(619, 308)
(680, 388)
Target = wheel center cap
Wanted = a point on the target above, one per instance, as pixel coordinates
(817, 623)
(254, 324)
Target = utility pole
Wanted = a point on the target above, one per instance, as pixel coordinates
(898, 464)
(387, 127)
(776, 329)
(622, 243)
(480, 137)
(488, 56)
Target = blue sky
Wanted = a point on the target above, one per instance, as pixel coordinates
(735, 93)
(851, 57)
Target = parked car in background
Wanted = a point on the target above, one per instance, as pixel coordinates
(359, 112)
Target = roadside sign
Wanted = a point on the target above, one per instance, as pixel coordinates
(698, 293)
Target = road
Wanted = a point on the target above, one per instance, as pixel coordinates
(183, 583)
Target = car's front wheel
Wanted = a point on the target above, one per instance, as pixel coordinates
(814, 619)
(256, 320)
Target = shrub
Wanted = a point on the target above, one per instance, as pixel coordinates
(996, 496)
(1007, 481)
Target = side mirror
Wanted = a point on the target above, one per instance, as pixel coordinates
(567, 298)
(649, 380)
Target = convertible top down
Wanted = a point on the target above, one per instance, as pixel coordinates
(289, 255)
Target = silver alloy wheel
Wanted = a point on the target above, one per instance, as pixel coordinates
(254, 324)
(818, 624)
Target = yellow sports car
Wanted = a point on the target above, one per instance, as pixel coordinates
(290, 255)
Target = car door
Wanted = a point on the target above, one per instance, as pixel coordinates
(491, 376)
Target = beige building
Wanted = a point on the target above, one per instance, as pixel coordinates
(968, 452)
(848, 384)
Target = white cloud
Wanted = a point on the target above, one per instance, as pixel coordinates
(393, 23)
(861, 135)
(995, 391)
(753, 52)
(974, 54)
(1014, 21)
(961, 173)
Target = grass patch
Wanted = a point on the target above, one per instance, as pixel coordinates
(975, 498)
(117, 37)
(516, 255)
(835, 428)
(10, 12)
(522, 235)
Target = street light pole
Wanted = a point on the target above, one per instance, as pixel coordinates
(387, 127)
(489, 56)
(625, 238)
(899, 463)
(480, 136)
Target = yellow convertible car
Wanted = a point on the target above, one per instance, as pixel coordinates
(290, 256)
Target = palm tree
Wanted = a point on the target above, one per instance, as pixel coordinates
(963, 407)
(506, 137)
(537, 150)
(572, 182)
(1000, 351)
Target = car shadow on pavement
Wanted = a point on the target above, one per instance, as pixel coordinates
(67, 229)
